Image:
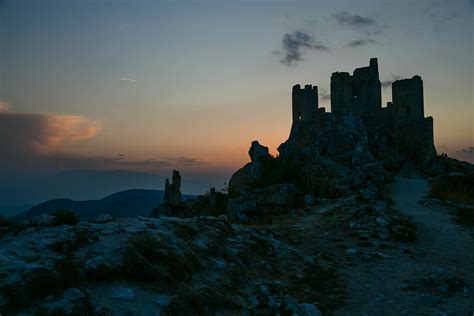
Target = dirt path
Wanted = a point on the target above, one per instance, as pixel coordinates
(376, 288)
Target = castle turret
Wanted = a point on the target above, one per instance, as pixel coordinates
(304, 102)
(407, 97)
(360, 93)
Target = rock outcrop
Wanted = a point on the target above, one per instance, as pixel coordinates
(172, 196)
(273, 200)
(149, 266)
(243, 177)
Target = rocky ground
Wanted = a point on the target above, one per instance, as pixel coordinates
(358, 255)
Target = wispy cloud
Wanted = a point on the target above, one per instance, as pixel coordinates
(388, 82)
(466, 151)
(294, 44)
(345, 18)
(128, 79)
(441, 18)
(368, 25)
(360, 43)
(324, 95)
(152, 163)
(466, 154)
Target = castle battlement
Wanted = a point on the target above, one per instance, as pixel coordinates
(357, 93)
(304, 102)
(360, 94)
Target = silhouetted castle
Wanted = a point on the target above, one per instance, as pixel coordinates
(305, 102)
(361, 95)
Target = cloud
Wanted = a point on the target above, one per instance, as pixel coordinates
(34, 133)
(293, 45)
(152, 164)
(345, 18)
(441, 18)
(128, 79)
(466, 151)
(466, 154)
(324, 95)
(4, 106)
(360, 43)
(388, 83)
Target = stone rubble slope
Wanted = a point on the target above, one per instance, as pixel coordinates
(201, 265)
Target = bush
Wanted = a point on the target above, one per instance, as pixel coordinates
(40, 283)
(203, 202)
(459, 188)
(65, 217)
(9, 226)
(276, 171)
(464, 216)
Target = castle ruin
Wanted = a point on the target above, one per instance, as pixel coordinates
(361, 95)
(305, 102)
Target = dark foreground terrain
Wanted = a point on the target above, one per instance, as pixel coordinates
(358, 255)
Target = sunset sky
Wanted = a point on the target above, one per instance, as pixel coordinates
(151, 86)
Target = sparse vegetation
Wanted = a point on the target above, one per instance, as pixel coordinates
(458, 188)
(9, 226)
(203, 202)
(42, 282)
(147, 258)
(276, 170)
(464, 216)
(404, 230)
(69, 246)
(65, 217)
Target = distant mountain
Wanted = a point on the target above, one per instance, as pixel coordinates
(129, 203)
(12, 210)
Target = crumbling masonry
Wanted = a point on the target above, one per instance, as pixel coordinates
(361, 95)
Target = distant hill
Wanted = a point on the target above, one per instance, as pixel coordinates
(129, 203)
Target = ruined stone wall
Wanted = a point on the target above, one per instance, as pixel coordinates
(304, 102)
(412, 136)
(359, 93)
(407, 97)
(341, 92)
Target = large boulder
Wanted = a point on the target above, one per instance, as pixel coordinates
(243, 177)
(273, 200)
(44, 220)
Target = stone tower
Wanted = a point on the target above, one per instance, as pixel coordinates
(304, 101)
(358, 93)
(407, 98)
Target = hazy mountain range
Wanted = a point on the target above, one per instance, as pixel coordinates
(129, 203)
(18, 194)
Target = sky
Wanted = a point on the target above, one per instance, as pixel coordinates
(151, 86)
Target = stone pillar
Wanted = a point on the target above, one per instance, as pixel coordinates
(212, 199)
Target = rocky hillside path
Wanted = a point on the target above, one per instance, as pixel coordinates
(442, 248)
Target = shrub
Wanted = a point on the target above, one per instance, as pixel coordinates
(459, 188)
(65, 217)
(203, 202)
(275, 171)
(9, 226)
(404, 230)
(42, 282)
(464, 216)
